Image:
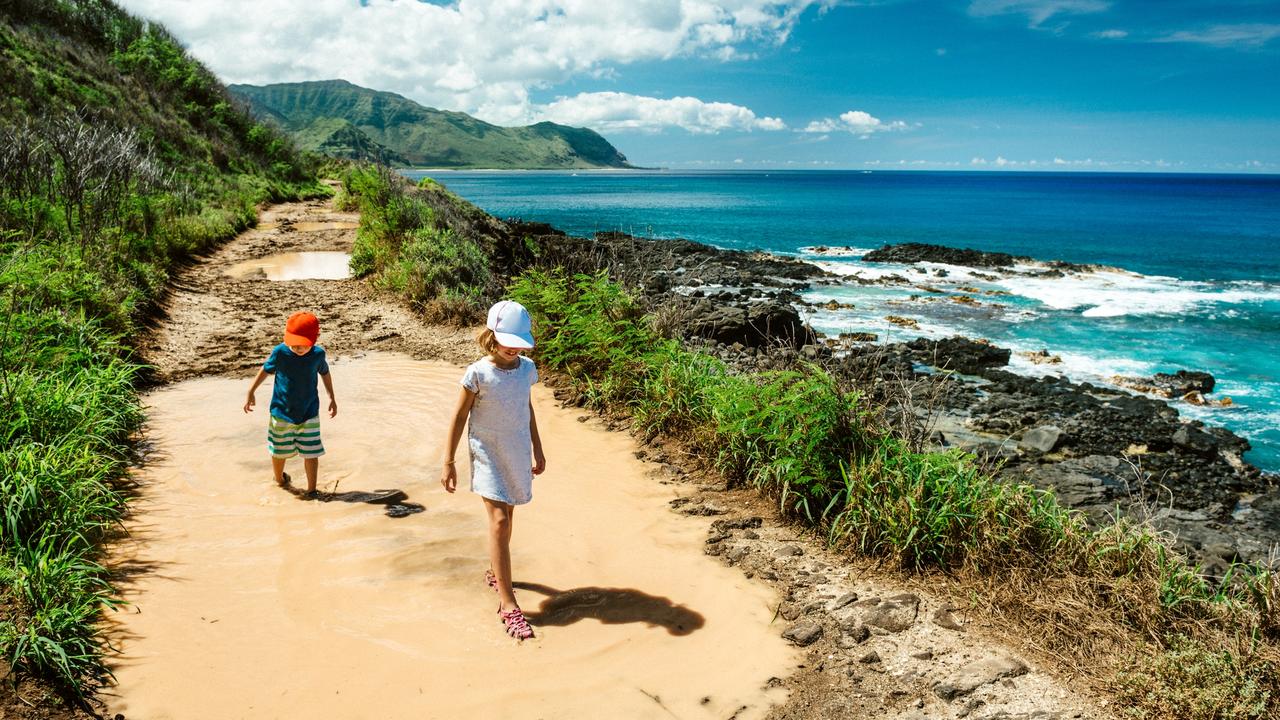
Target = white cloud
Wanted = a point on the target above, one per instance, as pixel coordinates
(1245, 35)
(855, 121)
(478, 56)
(613, 111)
(1112, 34)
(1037, 11)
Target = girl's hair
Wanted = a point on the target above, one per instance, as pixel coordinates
(487, 340)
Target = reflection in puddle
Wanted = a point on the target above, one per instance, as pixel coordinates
(314, 226)
(296, 266)
(309, 226)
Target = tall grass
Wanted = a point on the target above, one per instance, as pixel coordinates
(810, 443)
(120, 157)
(444, 255)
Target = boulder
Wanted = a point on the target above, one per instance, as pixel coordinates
(803, 633)
(1044, 438)
(943, 618)
(959, 353)
(979, 673)
(761, 324)
(1183, 382)
(894, 614)
(1196, 441)
(925, 252)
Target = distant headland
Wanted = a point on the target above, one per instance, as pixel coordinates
(337, 118)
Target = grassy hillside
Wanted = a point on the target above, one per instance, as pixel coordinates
(120, 157)
(338, 138)
(423, 136)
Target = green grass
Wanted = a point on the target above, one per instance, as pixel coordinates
(87, 246)
(801, 438)
(444, 255)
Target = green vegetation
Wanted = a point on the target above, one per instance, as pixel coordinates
(349, 121)
(810, 443)
(120, 157)
(443, 254)
(1117, 602)
(1190, 681)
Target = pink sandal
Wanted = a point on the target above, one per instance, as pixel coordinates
(517, 625)
(491, 580)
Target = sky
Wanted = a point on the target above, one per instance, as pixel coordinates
(1096, 85)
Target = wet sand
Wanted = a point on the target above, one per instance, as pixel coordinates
(248, 602)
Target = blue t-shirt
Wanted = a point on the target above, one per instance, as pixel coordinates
(294, 397)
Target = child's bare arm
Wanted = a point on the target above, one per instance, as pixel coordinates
(250, 401)
(449, 473)
(539, 461)
(328, 387)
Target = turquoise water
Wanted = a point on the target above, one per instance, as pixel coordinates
(1196, 283)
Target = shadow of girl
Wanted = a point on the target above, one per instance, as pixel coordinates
(611, 606)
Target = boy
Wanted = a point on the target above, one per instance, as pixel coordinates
(295, 405)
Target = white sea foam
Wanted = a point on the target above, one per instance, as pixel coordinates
(1112, 293)
(834, 322)
(831, 251)
(859, 270)
(956, 273)
(1078, 366)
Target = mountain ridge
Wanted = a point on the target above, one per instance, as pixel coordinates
(391, 128)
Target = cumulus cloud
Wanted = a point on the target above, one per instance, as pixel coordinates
(855, 121)
(1243, 35)
(1036, 11)
(613, 111)
(479, 56)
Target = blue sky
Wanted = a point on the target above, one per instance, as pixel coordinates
(1179, 85)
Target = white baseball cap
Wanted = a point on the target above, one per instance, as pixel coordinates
(511, 324)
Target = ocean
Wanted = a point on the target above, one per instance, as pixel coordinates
(1192, 279)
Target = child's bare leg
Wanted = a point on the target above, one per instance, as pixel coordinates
(312, 467)
(277, 469)
(500, 515)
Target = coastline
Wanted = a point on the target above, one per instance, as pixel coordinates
(1106, 451)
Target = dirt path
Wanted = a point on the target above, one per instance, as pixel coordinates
(217, 323)
(246, 602)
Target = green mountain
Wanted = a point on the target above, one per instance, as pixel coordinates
(338, 118)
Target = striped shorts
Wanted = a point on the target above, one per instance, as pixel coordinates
(286, 439)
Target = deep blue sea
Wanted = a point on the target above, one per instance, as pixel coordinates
(1196, 258)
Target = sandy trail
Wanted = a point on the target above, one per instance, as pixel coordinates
(247, 602)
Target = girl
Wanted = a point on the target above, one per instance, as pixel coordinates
(506, 451)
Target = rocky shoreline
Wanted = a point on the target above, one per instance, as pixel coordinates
(1102, 450)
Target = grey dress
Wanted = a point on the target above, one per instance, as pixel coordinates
(498, 430)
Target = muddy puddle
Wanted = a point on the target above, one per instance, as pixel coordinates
(295, 266)
(248, 602)
(309, 226)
